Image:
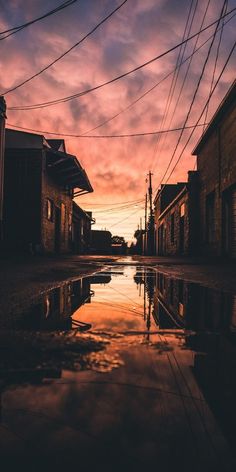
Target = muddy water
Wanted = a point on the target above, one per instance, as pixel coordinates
(127, 369)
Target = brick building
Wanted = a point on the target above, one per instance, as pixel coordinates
(81, 230)
(176, 218)
(216, 163)
(39, 185)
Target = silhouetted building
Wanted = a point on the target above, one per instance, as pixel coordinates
(55, 310)
(81, 230)
(216, 163)
(100, 242)
(40, 183)
(181, 304)
(176, 218)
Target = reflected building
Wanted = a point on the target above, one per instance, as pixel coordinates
(181, 304)
(55, 309)
(178, 304)
(214, 368)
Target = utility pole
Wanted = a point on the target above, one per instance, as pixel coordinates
(150, 231)
(145, 227)
(150, 192)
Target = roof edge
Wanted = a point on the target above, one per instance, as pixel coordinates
(229, 97)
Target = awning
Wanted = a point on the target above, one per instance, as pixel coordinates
(67, 171)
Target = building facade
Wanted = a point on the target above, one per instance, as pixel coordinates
(81, 230)
(39, 186)
(176, 218)
(216, 163)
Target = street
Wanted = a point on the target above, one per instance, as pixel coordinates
(127, 357)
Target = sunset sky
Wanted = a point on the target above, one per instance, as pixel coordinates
(139, 31)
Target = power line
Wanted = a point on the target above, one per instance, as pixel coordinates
(16, 29)
(125, 74)
(159, 142)
(194, 96)
(203, 110)
(131, 104)
(104, 204)
(117, 210)
(67, 51)
(184, 79)
(124, 219)
(128, 135)
(216, 60)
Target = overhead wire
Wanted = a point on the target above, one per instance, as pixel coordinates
(175, 76)
(130, 105)
(125, 74)
(16, 29)
(104, 204)
(193, 98)
(67, 51)
(140, 97)
(104, 136)
(124, 219)
(215, 63)
(184, 79)
(203, 110)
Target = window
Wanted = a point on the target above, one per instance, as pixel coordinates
(182, 210)
(172, 227)
(70, 223)
(49, 209)
(63, 221)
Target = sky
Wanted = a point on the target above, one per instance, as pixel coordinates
(139, 31)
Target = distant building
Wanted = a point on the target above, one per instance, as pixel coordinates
(41, 179)
(100, 242)
(81, 230)
(176, 218)
(216, 163)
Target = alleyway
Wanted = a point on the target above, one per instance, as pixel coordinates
(130, 358)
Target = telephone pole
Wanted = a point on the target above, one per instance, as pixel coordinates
(150, 192)
(150, 230)
(145, 228)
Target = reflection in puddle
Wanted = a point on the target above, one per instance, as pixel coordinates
(132, 299)
(154, 373)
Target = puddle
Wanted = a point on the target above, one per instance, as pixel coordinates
(130, 364)
(131, 300)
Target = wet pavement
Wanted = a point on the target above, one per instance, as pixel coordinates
(123, 369)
